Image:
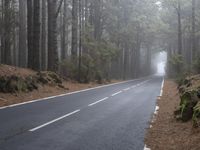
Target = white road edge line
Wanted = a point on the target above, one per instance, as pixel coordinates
(145, 148)
(92, 104)
(61, 95)
(161, 91)
(156, 111)
(126, 89)
(53, 121)
(116, 93)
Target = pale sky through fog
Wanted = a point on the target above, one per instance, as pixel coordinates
(161, 68)
(161, 63)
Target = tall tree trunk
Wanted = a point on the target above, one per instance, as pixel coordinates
(65, 26)
(44, 36)
(22, 34)
(80, 42)
(97, 19)
(125, 60)
(137, 53)
(179, 29)
(2, 32)
(74, 29)
(86, 13)
(36, 36)
(193, 30)
(148, 65)
(7, 26)
(52, 36)
(30, 32)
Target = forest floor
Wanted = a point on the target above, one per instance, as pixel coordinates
(166, 132)
(43, 90)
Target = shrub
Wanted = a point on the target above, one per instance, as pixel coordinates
(196, 65)
(175, 64)
(96, 59)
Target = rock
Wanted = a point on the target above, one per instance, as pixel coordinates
(3, 82)
(188, 101)
(42, 78)
(31, 83)
(61, 86)
(14, 83)
(55, 77)
(196, 115)
(198, 93)
(48, 77)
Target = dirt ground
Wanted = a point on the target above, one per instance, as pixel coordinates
(167, 133)
(43, 91)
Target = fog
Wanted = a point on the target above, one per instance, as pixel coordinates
(159, 63)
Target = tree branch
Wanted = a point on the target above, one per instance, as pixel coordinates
(59, 8)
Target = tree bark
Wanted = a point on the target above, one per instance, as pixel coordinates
(179, 29)
(52, 36)
(148, 65)
(80, 42)
(97, 19)
(44, 36)
(30, 32)
(65, 26)
(7, 29)
(22, 34)
(193, 31)
(36, 36)
(74, 29)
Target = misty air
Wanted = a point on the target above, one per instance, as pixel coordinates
(99, 74)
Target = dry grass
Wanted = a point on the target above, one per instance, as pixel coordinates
(6, 70)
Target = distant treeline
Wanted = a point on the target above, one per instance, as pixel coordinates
(81, 39)
(182, 36)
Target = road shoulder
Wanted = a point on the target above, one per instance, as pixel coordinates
(46, 92)
(166, 132)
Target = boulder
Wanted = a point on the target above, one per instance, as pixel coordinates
(14, 83)
(189, 90)
(48, 77)
(196, 115)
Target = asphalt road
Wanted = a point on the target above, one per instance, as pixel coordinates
(108, 118)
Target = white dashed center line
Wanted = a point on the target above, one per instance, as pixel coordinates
(116, 93)
(98, 101)
(92, 104)
(127, 89)
(55, 120)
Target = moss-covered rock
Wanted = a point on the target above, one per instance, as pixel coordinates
(189, 90)
(11, 84)
(196, 115)
(49, 78)
(14, 83)
(3, 82)
(189, 100)
(55, 77)
(32, 83)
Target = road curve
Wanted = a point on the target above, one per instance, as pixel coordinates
(108, 118)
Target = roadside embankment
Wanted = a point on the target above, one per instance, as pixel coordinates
(167, 132)
(18, 85)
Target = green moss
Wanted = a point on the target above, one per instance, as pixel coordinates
(12, 84)
(196, 115)
(188, 101)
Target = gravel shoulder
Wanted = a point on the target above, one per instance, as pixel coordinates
(167, 133)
